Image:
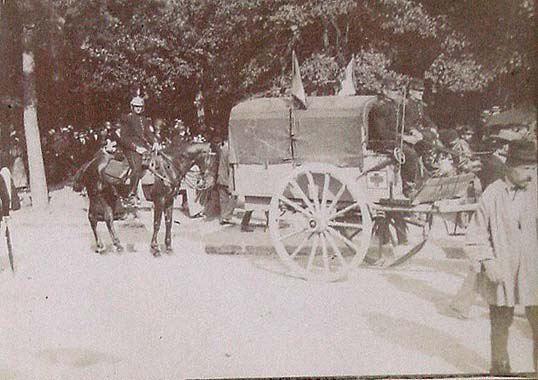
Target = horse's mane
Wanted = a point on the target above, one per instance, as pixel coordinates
(181, 149)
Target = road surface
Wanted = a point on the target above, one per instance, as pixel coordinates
(69, 313)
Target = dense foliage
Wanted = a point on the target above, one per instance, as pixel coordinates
(193, 58)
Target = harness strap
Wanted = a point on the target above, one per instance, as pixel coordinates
(156, 174)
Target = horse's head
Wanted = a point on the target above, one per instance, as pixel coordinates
(175, 164)
(203, 158)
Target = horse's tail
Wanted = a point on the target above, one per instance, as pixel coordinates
(79, 179)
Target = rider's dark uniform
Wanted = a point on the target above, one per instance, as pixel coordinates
(135, 131)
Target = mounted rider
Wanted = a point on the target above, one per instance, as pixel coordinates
(137, 138)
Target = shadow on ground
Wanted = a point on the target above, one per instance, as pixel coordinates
(414, 336)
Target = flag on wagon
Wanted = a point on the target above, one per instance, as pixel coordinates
(297, 89)
(347, 87)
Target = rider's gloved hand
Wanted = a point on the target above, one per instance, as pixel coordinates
(156, 146)
(110, 146)
(140, 150)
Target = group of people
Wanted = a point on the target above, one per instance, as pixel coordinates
(399, 125)
(501, 239)
(12, 156)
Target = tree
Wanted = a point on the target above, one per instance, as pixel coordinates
(38, 182)
(229, 50)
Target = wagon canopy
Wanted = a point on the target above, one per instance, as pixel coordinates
(268, 131)
(525, 116)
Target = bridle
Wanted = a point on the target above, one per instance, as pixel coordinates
(194, 178)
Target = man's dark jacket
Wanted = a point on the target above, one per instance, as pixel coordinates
(136, 130)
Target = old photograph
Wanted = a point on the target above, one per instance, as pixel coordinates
(224, 189)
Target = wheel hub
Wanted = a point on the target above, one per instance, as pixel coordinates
(317, 225)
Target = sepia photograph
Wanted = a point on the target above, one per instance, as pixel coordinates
(238, 189)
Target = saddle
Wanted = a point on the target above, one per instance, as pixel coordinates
(116, 172)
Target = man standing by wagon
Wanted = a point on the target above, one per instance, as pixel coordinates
(136, 137)
(503, 243)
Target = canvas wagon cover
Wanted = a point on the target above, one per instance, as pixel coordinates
(331, 130)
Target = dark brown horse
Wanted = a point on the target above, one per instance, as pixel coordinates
(169, 166)
(104, 198)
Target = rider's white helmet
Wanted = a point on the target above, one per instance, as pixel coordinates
(137, 101)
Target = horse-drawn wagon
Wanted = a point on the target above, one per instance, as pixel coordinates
(322, 189)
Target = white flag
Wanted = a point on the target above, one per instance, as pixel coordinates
(297, 89)
(347, 87)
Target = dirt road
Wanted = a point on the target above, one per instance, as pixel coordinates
(68, 313)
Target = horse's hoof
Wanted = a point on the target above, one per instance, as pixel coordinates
(100, 248)
(169, 250)
(155, 251)
(119, 248)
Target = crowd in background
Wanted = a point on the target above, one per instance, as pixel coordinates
(447, 152)
(67, 148)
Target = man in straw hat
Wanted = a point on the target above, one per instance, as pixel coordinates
(502, 241)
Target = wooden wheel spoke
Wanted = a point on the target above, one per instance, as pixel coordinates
(336, 199)
(344, 210)
(303, 196)
(295, 206)
(336, 249)
(324, 194)
(294, 233)
(312, 187)
(300, 246)
(313, 252)
(324, 254)
(345, 225)
(348, 242)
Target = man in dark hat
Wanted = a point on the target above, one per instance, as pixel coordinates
(502, 242)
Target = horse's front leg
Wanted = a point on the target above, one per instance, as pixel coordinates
(168, 215)
(99, 246)
(109, 220)
(157, 218)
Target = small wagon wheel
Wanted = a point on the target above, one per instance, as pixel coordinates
(319, 227)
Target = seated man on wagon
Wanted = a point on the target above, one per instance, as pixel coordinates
(463, 156)
(386, 119)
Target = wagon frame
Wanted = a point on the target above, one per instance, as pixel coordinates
(311, 171)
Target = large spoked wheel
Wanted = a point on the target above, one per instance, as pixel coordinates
(319, 226)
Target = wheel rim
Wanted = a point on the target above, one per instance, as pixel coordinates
(318, 226)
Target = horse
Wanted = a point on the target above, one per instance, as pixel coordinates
(104, 197)
(170, 167)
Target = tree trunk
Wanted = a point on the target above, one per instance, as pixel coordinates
(38, 182)
(325, 36)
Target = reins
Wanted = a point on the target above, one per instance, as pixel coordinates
(190, 178)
